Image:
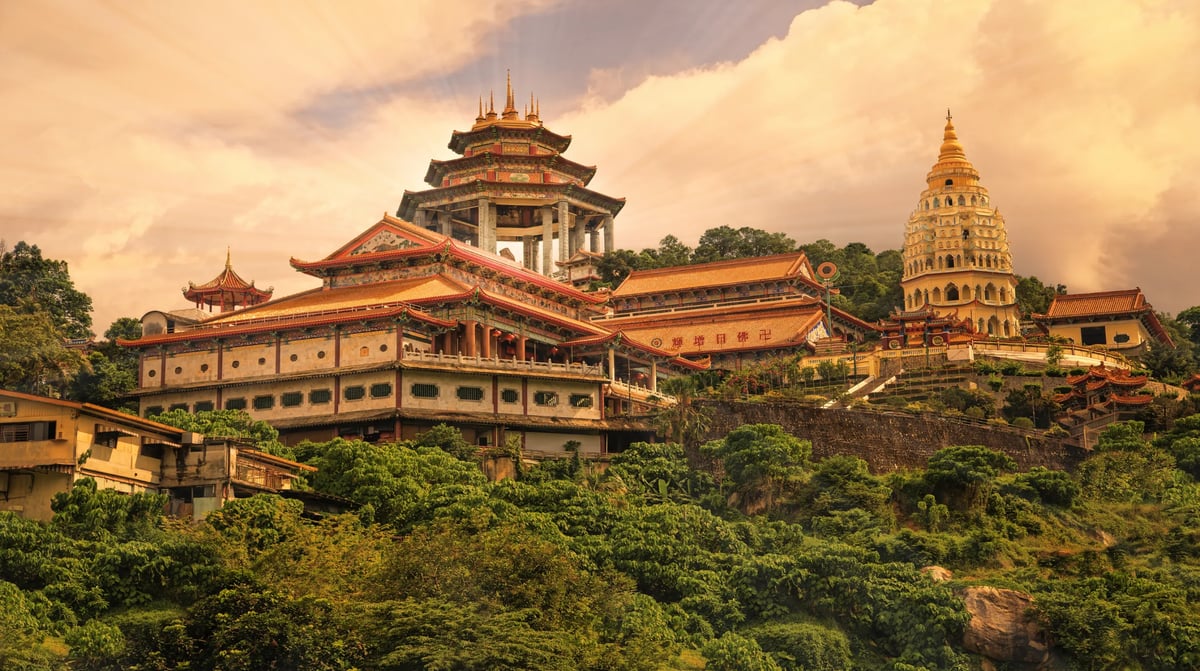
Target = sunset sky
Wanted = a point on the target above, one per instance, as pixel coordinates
(141, 139)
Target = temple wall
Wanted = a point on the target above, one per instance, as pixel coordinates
(891, 441)
(244, 361)
(1132, 328)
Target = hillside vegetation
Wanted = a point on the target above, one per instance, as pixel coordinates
(652, 564)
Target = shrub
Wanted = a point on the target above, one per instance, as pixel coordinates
(1023, 423)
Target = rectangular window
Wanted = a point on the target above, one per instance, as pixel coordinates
(319, 396)
(153, 410)
(581, 400)
(152, 451)
(423, 390)
(354, 393)
(27, 431)
(235, 404)
(470, 393)
(291, 399)
(203, 406)
(510, 395)
(179, 406)
(381, 390)
(549, 398)
(264, 402)
(1093, 335)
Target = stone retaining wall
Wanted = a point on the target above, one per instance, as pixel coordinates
(890, 441)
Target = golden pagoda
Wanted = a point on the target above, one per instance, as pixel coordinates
(956, 253)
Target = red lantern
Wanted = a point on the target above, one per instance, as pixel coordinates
(554, 350)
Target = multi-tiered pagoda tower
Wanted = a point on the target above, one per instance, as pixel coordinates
(956, 255)
(512, 184)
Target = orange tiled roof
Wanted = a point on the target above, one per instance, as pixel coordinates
(343, 298)
(718, 273)
(1097, 303)
(726, 331)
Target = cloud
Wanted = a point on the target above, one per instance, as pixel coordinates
(1080, 118)
(142, 139)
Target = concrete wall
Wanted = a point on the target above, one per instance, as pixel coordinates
(891, 441)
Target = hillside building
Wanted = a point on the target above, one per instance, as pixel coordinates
(1122, 321)
(47, 444)
(956, 253)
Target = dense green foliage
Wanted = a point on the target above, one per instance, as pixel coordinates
(650, 564)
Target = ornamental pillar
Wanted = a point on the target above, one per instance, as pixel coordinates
(653, 375)
(608, 233)
(612, 364)
(593, 240)
(486, 349)
(564, 231)
(419, 218)
(521, 348)
(445, 227)
(547, 240)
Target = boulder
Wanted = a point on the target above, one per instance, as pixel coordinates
(937, 573)
(1002, 627)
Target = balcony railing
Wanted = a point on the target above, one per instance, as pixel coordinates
(460, 360)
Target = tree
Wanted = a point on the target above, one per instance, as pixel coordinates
(104, 382)
(966, 473)
(723, 243)
(35, 284)
(227, 424)
(1033, 297)
(1191, 319)
(732, 652)
(672, 252)
(762, 460)
(33, 357)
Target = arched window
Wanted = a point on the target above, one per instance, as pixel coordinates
(937, 295)
(949, 182)
(949, 260)
(939, 262)
(974, 201)
(951, 293)
(962, 201)
(937, 203)
(958, 260)
(916, 298)
(989, 293)
(1004, 295)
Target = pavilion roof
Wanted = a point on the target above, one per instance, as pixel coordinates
(227, 281)
(408, 241)
(440, 169)
(779, 267)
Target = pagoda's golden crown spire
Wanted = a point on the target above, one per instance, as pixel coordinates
(509, 116)
(228, 258)
(952, 161)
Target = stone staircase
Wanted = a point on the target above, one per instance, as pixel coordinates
(922, 384)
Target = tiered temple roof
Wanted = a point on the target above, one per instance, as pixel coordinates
(1103, 389)
(226, 291)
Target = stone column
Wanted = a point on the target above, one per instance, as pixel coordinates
(564, 231)
(612, 364)
(492, 219)
(520, 348)
(419, 218)
(547, 240)
(483, 211)
(486, 349)
(608, 233)
(653, 375)
(535, 254)
(445, 227)
(593, 240)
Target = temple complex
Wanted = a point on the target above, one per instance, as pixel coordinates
(731, 311)
(956, 254)
(512, 184)
(410, 328)
(1102, 392)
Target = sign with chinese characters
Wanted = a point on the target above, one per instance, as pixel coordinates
(8, 408)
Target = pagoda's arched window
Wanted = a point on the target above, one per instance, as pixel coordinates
(949, 260)
(962, 201)
(937, 295)
(974, 201)
(966, 233)
(989, 292)
(937, 202)
(1003, 294)
(951, 293)
(1007, 332)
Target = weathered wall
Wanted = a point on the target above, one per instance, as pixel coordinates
(890, 441)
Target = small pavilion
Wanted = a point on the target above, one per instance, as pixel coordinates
(227, 291)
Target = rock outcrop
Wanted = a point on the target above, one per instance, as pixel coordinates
(1002, 627)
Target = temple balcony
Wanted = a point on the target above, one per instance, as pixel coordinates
(637, 393)
(417, 358)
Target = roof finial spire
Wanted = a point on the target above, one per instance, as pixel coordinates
(510, 106)
(480, 117)
(228, 258)
(948, 117)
